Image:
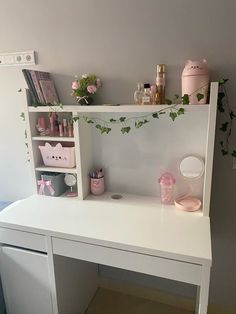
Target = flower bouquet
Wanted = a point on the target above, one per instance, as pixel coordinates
(83, 89)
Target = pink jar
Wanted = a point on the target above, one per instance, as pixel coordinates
(97, 186)
(195, 80)
(167, 182)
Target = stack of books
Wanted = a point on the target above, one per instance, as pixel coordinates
(41, 87)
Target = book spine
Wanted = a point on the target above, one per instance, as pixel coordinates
(30, 86)
(43, 75)
(37, 86)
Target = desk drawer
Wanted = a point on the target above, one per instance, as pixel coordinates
(23, 239)
(146, 264)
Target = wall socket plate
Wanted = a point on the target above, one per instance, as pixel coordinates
(17, 58)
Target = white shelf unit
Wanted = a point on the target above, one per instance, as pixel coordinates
(34, 140)
(197, 133)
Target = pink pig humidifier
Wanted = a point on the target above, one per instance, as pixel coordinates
(195, 80)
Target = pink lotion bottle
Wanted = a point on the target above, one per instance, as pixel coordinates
(167, 182)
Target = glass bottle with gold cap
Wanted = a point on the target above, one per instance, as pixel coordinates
(160, 83)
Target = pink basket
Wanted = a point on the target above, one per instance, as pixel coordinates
(58, 156)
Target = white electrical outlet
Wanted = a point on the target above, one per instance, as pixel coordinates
(17, 58)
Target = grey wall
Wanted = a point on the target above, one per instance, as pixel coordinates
(122, 41)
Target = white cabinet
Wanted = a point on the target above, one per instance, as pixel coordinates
(25, 280)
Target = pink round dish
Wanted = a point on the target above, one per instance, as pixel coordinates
(189, 204)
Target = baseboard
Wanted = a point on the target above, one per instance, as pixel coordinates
(158, 296)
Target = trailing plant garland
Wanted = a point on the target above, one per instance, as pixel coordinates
(105, 126)
(228, 116)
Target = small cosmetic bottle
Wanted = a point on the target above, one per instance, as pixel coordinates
(161, 83)
(70, 130)
(138, 94)
(60, 129)
(52, 123)
(153, 94)
(65, 129)
(146, 97)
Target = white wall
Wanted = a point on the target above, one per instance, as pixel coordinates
(122, 41)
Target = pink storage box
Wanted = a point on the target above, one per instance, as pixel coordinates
(58, 156)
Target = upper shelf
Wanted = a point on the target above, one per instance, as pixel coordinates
(115, 108)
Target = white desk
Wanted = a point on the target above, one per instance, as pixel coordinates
(134, 233)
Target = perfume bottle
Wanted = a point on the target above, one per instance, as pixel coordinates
(138, 94)
(146, 96)
(153, 90)
(160, 83)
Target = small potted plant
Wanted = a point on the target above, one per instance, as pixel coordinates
(83, 89)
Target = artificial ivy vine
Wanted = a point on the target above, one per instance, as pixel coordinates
(228, 116)
(104, 126)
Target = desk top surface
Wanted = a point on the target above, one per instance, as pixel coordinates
(132, 224)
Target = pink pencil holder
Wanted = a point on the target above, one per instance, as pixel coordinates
(97, 186)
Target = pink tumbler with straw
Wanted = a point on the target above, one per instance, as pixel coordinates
(167, 182)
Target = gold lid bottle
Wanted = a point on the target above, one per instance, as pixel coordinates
(160, 83)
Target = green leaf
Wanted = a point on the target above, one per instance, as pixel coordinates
(220, 105)
(173, 115)
(103, 130)
(185, 99)
(224, 152)
(112, 120)
(125, 129)
(108, 130)
(98, 126)
(155, 115)
(19, 90)
(180, 111)
(232, 115)
(176, 96)
(168, 101)
(224, 126)
(222, 81)
(162, 112)
(221, 143)
(221, 95)
(90, 121)
(122, 119)
(76, 119)
(233, 153)
(22, 115)
(138, 124)
(199, 96)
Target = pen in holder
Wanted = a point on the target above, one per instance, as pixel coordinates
(97, 186)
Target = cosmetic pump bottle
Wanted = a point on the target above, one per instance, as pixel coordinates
(146, 97)
(161, 83)
(138, 94)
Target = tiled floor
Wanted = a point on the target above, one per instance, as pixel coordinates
(110, 302)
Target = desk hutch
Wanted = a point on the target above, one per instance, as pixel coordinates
(52, 246)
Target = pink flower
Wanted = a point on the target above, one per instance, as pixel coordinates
(98, 82)
(75, 85)
(92, 89)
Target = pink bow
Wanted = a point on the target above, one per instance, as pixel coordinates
(42, 183)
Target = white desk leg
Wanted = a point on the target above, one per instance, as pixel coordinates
(203, 292)
(52, 275)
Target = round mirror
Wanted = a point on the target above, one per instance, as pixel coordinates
(192, 167)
